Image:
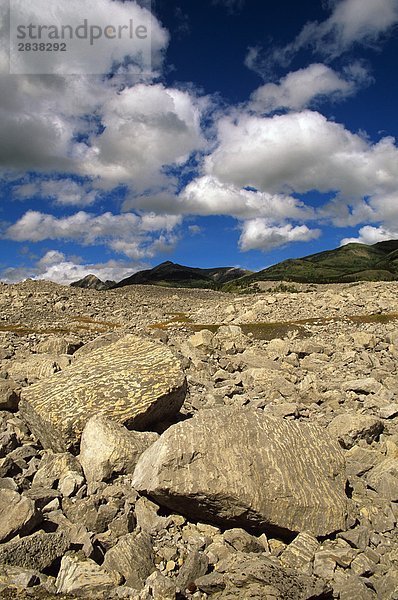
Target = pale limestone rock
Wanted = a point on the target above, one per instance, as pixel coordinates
(201, 339)
(241, 467)
(349, 428)
(17, 514)
(107, 448)
(368, 385)
(133, 381)
(243, 576)
(58, 345)
(56, 469)
(300, 552)
(384, 479)
(37, 366)
(132, 558)
(83, 577)
(37, 551)
(9, 395)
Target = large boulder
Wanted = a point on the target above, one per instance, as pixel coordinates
(242, 467)
(133, 381)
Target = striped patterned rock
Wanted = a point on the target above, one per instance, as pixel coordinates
(241, 467)
(133, 381)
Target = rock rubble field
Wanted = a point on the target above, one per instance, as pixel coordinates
(174, 444)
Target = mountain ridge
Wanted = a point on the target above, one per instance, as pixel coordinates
(351, 262)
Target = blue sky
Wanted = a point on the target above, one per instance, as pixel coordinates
(265, 130)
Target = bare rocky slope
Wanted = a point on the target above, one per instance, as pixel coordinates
(168, 444)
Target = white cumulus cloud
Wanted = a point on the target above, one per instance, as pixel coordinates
(259, 234)
(62, 192)
(372, 235)
(301, 152)
(55, 266)
(86, 56)
(299, 89)
(128, 234)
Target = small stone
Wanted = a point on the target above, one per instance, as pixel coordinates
(147, 518)
(160, 587)
(351, 586)
(349, 428)
(386, 586)
(9, 395)
(389, 411)
(70, 484)
(17, 577)
(359, 460)
(170, 566)
(367, 385)
(363, 566)
(132, 558)
(324, 565)
(357, 538)
(239, 539)
(201, 339)
(195, 566)
(300, 552)
(384, 479)
(276, 546)
(55, 469)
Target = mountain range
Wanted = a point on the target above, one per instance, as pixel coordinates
(169, 274)
(352, 262)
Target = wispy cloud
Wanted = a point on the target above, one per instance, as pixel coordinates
(352, 22)
(305, 87)
(233, 6)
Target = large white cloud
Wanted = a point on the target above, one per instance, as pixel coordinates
(136, 133)
(299, 89)
(209, 196)
(372, 235)
(260, 234)
(113, 129)
(136, 237)
(82, 56)
(300, 152)
(55, 266)
(146, 128)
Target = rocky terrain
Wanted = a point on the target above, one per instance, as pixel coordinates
(168, 444)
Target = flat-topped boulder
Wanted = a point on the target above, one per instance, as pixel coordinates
(134, 381)
(243, 468)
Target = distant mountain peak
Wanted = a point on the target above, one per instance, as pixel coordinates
(92, 282)
(170, 274)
